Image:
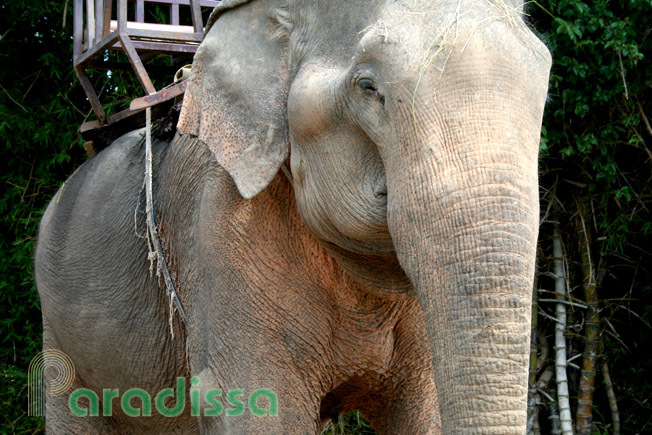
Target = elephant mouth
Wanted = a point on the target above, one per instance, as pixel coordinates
(380, 190)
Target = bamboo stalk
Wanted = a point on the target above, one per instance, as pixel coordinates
(613, 404)
(584, 415)
(542, 386)
(554, 418)
(539, 394)
(565, 419)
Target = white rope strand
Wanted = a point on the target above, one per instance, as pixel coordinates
(153, 241)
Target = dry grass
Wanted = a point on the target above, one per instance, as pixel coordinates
(440, 42)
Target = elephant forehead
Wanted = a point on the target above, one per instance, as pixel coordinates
(421, 30)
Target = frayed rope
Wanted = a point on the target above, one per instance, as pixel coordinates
(155, 253)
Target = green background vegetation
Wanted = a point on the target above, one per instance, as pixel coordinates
(595, 150)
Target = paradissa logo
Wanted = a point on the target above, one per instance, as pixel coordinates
(212, 398)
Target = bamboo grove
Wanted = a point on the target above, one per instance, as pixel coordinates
(591, 353)
(591, 316)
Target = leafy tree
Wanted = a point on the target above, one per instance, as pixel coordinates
(41, 108)
(596, 163)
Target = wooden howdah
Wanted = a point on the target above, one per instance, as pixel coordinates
(101, 25)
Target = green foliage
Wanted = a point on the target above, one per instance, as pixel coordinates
(352, 423)
(41, 108)
(39, 147)
(596, 145)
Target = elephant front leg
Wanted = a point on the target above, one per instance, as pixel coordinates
(242, 398)
(408, 398)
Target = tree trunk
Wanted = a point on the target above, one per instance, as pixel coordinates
(615, 416)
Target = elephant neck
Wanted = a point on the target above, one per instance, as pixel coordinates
(204, 220)
(262, 240)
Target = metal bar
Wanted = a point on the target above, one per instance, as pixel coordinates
(90, 93)
(140, 11)
(99, 19)
(195, 12)
(159, 97)
(78, 28)
(139, 68)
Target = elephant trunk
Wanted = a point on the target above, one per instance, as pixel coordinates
(473, 274)
(465, 224)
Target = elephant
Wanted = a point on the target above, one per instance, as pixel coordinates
(349, 212)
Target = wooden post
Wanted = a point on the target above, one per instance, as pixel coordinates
(108, 6)
(137, 63)
(99, 19)
(90, 23)
(140, 11)
(78, 28)
(195, 12)
(174, 14)
(122, 16)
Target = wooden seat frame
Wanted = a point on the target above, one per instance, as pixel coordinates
(102, 33)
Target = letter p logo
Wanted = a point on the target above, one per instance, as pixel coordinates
(60, 376)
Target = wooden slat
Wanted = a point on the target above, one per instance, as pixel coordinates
(78, 28)
(164, 47)
(123, 66)
(108, 7)
(159, 97)
(133, 57)
(90, 93)
(174, 14)
(203, 3)
(123, 114)
(195, 13)
(140, 11)
(100, 46)
(99, 19)
(90, 23)
(155, 28)
(122, 16)
(178, 38)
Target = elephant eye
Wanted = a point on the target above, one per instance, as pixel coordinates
(370, 87)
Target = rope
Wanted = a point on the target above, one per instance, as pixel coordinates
(153, 240)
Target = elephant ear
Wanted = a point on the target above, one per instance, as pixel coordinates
(235, 101)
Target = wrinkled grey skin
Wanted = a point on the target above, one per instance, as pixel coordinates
(399, 257)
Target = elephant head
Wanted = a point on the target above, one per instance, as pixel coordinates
(412, 130)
